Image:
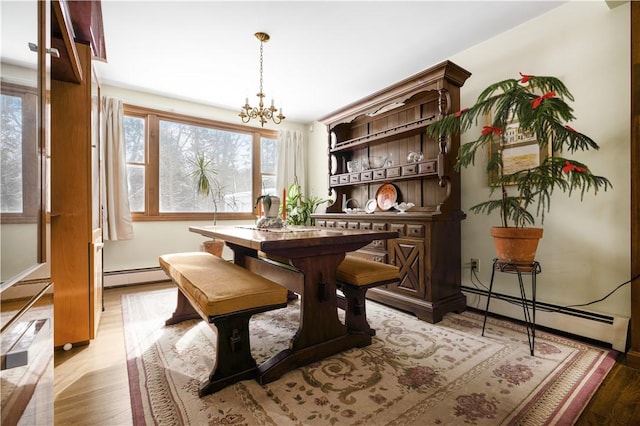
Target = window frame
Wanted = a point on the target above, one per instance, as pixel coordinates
(30, 172)
(152, 118)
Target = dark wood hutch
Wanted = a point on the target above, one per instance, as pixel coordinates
(388, 125)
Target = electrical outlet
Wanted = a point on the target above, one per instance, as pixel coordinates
(475, 264)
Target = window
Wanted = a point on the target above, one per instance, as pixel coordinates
(19, 183)
(161, 150)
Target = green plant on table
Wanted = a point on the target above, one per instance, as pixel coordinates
(538, 104)
(300, 207)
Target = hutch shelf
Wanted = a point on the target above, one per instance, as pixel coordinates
(380, 142)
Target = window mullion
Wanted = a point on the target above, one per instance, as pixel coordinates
(153, 163)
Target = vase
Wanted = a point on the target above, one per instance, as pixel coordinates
(272, 211)
(516, 245)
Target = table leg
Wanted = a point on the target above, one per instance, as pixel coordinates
(320, 333)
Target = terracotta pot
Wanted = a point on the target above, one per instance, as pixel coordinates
(516, 245)
(214, 247)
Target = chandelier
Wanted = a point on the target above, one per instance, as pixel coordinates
(247, 112)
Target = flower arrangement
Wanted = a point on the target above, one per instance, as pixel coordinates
(538, 104)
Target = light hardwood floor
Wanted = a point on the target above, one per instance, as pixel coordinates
(91, 382)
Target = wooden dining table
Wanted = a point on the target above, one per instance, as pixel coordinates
(304, 260)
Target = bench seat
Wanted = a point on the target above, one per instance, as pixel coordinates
(354, 277)
(217, 286)
(225, 295)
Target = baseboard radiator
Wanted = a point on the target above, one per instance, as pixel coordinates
(607, 329)
(134, 276)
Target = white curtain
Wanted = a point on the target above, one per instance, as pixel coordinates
(117, 223)
(292, 157)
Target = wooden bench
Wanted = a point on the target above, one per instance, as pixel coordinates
(354, 277)
(226, 295)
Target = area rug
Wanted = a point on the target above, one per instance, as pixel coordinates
(414, 373)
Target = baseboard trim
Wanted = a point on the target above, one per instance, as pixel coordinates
(133, 276)
(633, 359)
(610, 330)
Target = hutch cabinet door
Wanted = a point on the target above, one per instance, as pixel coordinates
(408, 255)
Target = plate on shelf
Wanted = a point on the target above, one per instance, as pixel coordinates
(370, 206)
(386, 196)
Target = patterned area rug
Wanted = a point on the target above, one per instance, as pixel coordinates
(414, 373)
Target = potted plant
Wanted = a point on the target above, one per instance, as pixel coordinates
(535, 106)
(206, 184)
(300, 207)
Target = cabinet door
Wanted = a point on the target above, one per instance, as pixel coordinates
(408, 255)
(95, 291)
(95, 257)
(73, 234)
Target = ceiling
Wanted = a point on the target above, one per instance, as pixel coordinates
(322, 54)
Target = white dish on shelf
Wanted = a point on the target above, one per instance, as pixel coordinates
(370, 206)
(403, 207)
(353, 211)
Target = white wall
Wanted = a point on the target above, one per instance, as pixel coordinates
(163, 103)
(317, 167)
(585, 251)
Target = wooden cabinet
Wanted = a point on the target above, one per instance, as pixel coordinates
(384, 136)
(76, 231)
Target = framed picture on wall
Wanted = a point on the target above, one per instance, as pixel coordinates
(520, 150)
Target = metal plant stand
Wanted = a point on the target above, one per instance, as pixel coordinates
(532, 269)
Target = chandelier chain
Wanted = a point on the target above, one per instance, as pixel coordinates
(261, 43)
